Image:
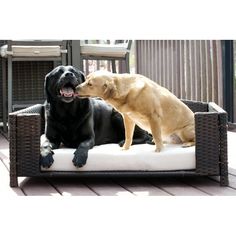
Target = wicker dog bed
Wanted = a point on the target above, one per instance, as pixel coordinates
(26, 127)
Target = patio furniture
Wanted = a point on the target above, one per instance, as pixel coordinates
(119, 50)
(210, 153)
(31, 50)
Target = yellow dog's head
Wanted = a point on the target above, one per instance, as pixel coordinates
(97, 84)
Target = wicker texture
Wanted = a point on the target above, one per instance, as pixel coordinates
(196, 106)
(207, 141)
(223, 118)
(12, 150)
(26, 127)
(32, 128)
(223, 150)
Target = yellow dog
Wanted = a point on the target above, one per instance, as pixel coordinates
(143, 102)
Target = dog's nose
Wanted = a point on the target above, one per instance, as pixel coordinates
(69, 74)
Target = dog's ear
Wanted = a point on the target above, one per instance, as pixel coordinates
(82, 76)
(88, 76)
(46, 88)
(109, 89)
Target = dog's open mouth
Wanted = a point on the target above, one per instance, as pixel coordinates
(67, 91)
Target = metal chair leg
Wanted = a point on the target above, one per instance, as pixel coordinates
(113, 64)
(4, 95)
(127, 63)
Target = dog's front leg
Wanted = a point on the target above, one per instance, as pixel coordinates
(129, 131)
(81, 153)
(46, 153)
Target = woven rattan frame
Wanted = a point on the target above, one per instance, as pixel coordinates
(27, 125)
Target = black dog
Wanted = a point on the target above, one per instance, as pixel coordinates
(76, 122)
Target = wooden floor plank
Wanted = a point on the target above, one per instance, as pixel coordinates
(38, 187)
(5, 189)
(71, 187)
(210, 186)
(106, 187)
(3, 142)
(176, 187)
(140, 187)
(4, 157)
(4, 151)
(232, 171)
(232, 181)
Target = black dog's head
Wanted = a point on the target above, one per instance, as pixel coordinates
(61, 82)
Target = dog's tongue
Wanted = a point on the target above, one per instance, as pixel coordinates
(67, 92)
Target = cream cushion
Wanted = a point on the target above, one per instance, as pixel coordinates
(142, 157)
(31, 51)
(109, 50)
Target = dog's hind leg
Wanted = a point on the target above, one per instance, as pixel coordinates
(187, 135)
(155, 127)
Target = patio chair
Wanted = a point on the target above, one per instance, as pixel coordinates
(119, 50)
(31, 50)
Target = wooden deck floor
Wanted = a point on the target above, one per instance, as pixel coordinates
(161, 186)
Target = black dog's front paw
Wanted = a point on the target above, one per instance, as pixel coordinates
(46, 161)
(80, 157)
(46, 154)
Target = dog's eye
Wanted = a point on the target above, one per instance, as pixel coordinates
(61, 71)
(89, 84)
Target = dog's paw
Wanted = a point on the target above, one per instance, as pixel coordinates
(159, 147)
(123, 146)
(46, 154)
(151, 142)
(124, 149)
(80, 157)
(121, 143)
(46, 161)
(188, 144)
